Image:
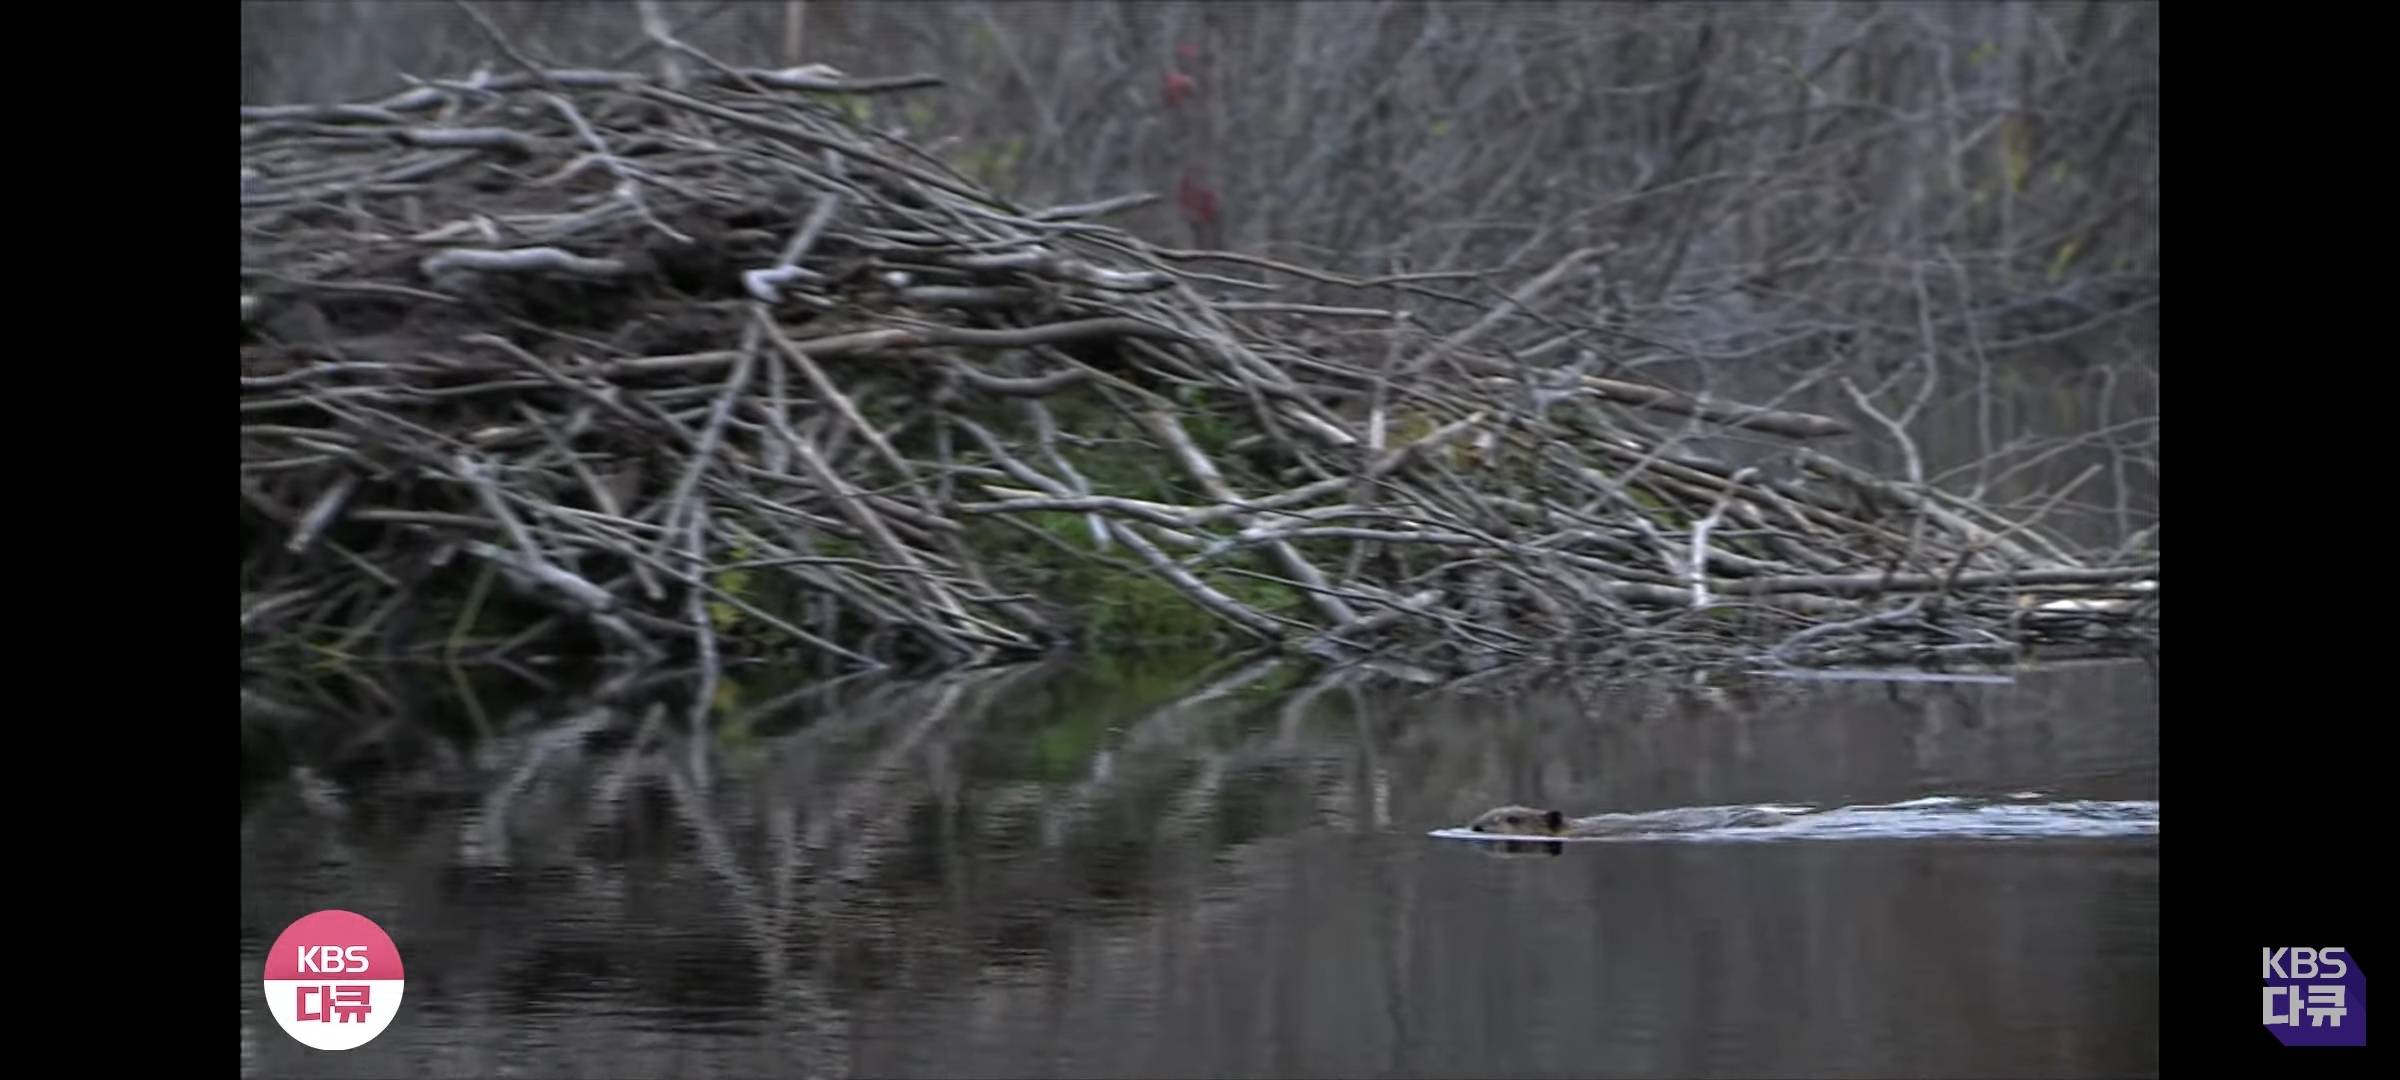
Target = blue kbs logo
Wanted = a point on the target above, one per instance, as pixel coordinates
(2315, 997)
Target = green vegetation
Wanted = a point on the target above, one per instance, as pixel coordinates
(1119, 605)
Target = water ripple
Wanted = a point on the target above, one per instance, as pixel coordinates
(1935, 817)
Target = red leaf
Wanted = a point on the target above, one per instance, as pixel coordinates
(1178, 87)
(1199, 201)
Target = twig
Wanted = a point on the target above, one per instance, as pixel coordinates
(1697, 571)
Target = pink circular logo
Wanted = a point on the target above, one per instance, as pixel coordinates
(333, 980)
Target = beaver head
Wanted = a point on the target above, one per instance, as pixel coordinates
(1521, 821)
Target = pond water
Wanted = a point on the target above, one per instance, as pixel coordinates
(1114, 871)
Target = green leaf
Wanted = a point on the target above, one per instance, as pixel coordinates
(2064, 259)
(733, 583)
(2016, 153)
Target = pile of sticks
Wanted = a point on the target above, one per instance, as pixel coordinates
(582, 361)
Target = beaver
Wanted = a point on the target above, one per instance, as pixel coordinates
(1528, 821)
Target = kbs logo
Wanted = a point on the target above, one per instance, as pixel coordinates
(333, 980)
(2315, 997)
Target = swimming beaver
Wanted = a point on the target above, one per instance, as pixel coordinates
(1527, 821)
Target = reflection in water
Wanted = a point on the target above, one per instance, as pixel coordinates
(1046, 872)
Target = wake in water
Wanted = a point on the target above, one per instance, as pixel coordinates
(1940, 817)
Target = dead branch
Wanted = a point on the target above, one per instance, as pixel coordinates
(684, 363)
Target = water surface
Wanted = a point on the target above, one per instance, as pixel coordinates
(1121, 872)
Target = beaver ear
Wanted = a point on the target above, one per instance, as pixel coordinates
(1554, 819)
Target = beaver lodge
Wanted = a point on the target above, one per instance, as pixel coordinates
(580, 363)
